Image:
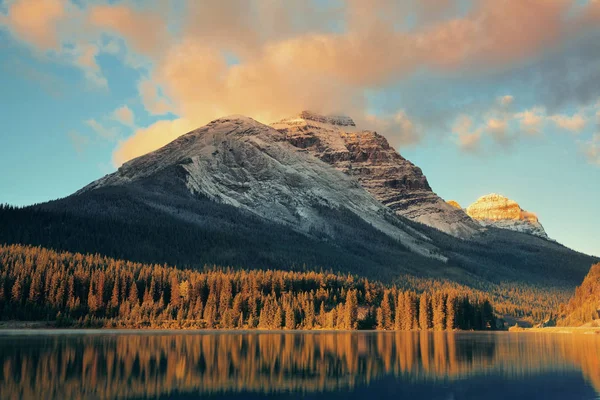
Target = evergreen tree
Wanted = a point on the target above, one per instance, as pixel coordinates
(351, 310)
(425, 318)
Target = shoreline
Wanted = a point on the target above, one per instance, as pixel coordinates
(561, 330)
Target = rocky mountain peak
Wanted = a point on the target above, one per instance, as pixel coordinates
(240, 162)
(309, 117)
(368, 158)
(501, 212)
(454, 204)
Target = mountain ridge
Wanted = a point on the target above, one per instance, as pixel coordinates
(368, 157)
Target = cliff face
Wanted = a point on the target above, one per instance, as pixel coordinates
(378, 167)
(500, 212)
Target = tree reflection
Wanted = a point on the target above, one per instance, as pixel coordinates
(147, 365)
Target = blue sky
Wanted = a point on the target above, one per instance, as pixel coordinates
(485, 96)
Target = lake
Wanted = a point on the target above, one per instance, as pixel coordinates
(49, 364)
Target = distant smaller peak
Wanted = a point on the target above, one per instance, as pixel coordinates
(454, 204)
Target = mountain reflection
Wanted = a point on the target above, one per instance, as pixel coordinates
(150, 365)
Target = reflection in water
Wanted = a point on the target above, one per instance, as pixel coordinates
(160, 364)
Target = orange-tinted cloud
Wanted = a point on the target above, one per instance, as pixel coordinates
(469, 138)
(36, 21)
(145, 30)
(574, 123)
(124, 115)
(532, 121)
(279, 75)
(290, 57)
(151, 138)
(591, 149)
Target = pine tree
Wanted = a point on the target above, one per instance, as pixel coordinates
(386, 311)
(92, 299)
(175, 294)
(425, 317)
(351, 310)
(451, 312)
(16, 290)
(133, 294)
(380, 319)
(290, 318)
(439, 311)
(398, 321)
(114, 298)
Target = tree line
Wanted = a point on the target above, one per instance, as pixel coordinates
(73, 289)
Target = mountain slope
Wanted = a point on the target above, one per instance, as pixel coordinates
(500, 212)
(368, 157)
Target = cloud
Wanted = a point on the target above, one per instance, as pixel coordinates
(85, 57)
(151, 138)
(36, 21)
(469, 138)
(591, 150)
(506, 101)
(498, 128)
(575, 123)
(289, 69)
(52, 28)
(102, 131)
(532, 120)
(152, 98)
(298, 55)
(124, 115)
(398, 128)
(145, 30)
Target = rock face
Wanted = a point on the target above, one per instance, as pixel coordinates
(242, 163)
(380, 169)
(500, 212)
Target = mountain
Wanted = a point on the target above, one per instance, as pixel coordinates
(500, 212)
(239, 162)
(379, 168)
(242, 194)
(454, 204)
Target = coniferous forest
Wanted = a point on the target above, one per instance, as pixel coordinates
(584, 306)
(78, 290)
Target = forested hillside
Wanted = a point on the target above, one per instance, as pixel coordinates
(93, 290)
(584, 306)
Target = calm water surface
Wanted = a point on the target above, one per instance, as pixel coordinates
(363, 365)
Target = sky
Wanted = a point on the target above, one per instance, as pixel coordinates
(486, 96)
